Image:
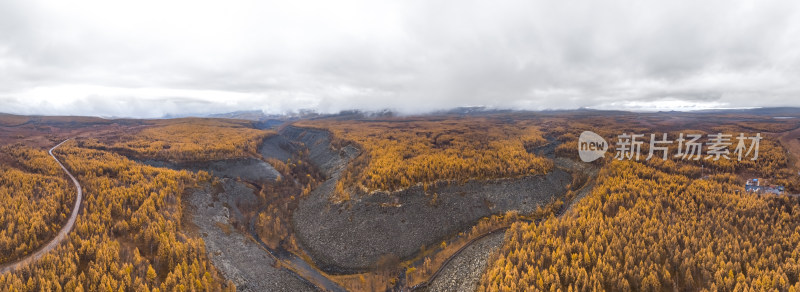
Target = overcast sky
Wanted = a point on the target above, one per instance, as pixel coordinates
(155, 58)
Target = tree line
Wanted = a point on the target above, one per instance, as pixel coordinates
(128, 235)
(647, 229)
(400, 153)
(182, 140)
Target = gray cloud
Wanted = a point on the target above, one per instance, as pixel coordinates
(149, 59)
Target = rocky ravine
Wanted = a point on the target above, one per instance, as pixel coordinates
(215, 211)
(353, 236)
(239, 258)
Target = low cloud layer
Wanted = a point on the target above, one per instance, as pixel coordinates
(157, 58)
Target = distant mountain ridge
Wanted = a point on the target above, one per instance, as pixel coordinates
(260, 116)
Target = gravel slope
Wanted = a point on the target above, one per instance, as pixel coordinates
(318, 142)
(352, 237)
(463, 273)
(238, 258)
(277, 147)
(249, 169)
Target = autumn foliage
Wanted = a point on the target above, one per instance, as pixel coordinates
(127, 236)
(281, 198)
(400, 153)
(37, 200)
(644, 229)
(182, 140)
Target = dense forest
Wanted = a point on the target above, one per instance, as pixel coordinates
(403, 152)
(36, 198)
(127, 236)
(653, 227)
(189, 139)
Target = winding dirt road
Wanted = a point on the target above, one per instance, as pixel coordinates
(62, 234)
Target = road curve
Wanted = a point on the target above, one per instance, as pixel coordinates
(62, 234)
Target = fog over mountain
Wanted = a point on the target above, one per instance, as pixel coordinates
(157, 58)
